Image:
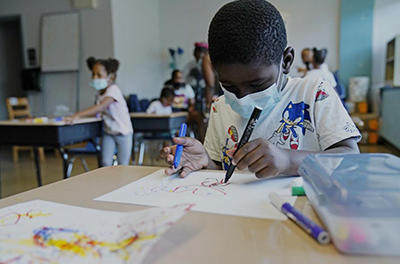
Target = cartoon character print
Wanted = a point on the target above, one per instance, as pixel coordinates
(295, 118)
(214, 106)
(350, 128)
(321, 93)
(232, 138)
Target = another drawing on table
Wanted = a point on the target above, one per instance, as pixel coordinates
(208, 187)
(40, 232)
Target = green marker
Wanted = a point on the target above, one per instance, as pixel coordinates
(298, 191)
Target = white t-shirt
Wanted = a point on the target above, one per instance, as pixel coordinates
(182, 97)
(116, 117)
(324, 74)
(310, 117)
(158, 108)
(324, 67)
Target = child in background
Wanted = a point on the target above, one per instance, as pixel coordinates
(111, 104)
(318, 60)
(300, 116)
(163, 105)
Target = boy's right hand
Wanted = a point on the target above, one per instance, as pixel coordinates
(194, 156)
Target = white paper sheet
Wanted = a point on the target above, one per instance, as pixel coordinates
(244, 195)
(51, 233)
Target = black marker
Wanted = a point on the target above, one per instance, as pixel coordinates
(245, 138)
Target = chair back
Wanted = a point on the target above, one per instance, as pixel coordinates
(18, 107)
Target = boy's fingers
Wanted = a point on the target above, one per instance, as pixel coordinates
(249, 159)
(185, 141)
(258, 165)
(170, 170)
(164, 152)
(230, 152)
(185, 172)
(247, 148)
(170, 159)
(267, 172)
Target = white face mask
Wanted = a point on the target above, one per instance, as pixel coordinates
(266, 99)
(99, 84)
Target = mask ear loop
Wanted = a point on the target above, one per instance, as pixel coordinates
(279, 84)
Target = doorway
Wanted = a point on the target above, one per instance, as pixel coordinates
(11, 62)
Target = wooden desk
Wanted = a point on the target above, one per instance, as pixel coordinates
(51, 134)
(143, 122)
(152, 123)
(200, 237)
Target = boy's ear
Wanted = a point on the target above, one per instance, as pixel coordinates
(288, 58)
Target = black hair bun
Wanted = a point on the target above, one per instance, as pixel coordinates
(113, 64)
(91, 61)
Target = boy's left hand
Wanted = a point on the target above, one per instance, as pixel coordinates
(261, 157)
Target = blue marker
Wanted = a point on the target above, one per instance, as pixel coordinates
(179, 148)
(309, 226)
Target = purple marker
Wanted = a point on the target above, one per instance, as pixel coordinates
(319, 234)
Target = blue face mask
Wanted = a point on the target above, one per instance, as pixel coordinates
(266, 99)
(99, 84)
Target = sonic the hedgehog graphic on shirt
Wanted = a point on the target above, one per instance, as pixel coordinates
(295, 121)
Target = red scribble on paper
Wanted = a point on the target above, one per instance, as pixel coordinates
(209, 187)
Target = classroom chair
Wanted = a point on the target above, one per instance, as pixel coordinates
(18, 108)
(144, 104)
(134, 103)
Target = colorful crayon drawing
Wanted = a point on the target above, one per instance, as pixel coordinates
(77, 235)
(245, 192)
(208, 187)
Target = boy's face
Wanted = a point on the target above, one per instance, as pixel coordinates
(244, 79)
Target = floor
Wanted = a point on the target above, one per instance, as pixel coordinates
(20, 176)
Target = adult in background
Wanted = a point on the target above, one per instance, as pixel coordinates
(184, 100)
(201, 76)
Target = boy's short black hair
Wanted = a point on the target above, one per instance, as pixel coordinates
(167, 92)
(319, 55)
(247, 32)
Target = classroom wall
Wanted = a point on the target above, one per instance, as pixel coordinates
(309, 23)
(136, 39)
(355, 39)
(96, 39)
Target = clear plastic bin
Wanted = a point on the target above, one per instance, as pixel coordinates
(357, 196)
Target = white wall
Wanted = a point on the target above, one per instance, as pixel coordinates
(137, 46)
(309, 23)
(96, 40)
(386, 25)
